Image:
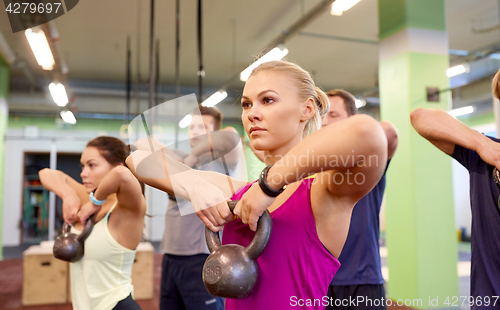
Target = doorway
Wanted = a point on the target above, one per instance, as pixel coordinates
(35, 211)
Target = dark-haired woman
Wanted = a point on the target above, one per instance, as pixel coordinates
(101, 280)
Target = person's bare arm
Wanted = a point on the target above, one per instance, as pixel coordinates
(445, 132)
(72, 193)
(151, 144)
(162, 172)
(208, 191)
(392, 138)
(223, 141)
(361, 148)
(339, 151)
(119, 181)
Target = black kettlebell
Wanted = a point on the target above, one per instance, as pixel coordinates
(69, 246)
(231, 270)
(496, 176)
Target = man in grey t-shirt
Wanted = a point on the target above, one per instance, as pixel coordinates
(183, 243)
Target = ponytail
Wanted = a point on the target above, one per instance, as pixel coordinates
(322, 107)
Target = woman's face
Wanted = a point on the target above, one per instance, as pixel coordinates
(273, 114)
(94, 168)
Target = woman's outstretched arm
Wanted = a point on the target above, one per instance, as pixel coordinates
(208, 191)
(340, 151)
(349, 157)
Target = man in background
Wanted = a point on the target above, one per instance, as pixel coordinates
(183, 244)
(360, 271)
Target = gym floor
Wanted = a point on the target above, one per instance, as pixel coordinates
(11, 270)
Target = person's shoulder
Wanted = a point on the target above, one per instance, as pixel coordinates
(229, 128)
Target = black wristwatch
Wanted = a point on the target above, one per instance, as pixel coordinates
(265, 187)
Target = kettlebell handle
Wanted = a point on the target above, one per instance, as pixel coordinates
(87, 229)
(259, 241)
(66, 228)
(89, 225)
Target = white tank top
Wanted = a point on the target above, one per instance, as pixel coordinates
(103, 276)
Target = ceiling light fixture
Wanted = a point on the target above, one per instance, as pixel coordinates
(215, 98)
(276, 53)
(340, 6)
(58, 93)
(494, 56)
(456, 70)
(68, 117)
(461, 111)
(360, 103)
(41, 48)
(185, 121)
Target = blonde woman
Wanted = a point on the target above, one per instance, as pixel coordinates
(282, 111)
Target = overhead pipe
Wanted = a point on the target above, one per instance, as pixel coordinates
(201, 73)
(300, 24)
(157, 83)
(138, 61)
(129, 82)
(151, 57)
(337, 38)
(157, 74)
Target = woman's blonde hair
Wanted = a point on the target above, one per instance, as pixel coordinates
(306, 89)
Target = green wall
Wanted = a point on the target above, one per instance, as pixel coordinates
(396, 15)
(420, 222)
(477, 120)
(419, 188)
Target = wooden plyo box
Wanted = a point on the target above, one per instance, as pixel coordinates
(45, 278)
(142, 271)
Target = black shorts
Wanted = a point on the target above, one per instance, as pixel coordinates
(182, 284)
(127, 304)
(357, 297)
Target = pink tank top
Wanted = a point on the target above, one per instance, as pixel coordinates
(295, 268)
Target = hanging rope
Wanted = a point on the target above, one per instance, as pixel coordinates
(151, 57)
(129, 81)
(201, 73)
(177, 70)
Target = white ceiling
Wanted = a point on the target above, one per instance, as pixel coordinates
(93, 39)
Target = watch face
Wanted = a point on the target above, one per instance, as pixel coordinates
(496, 176)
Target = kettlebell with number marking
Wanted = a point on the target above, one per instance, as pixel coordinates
(231, 270)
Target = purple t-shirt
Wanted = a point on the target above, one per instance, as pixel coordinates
(485, 243)
(295, 268)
